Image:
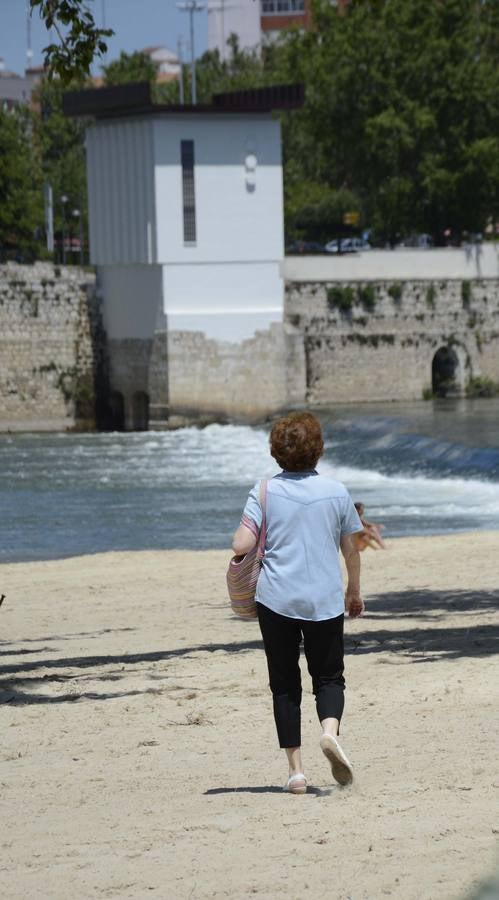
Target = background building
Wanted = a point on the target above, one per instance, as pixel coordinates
(166, 62)
(278, 14)
(226, 17)
(15, 89)
(186, 231)
(255, 20)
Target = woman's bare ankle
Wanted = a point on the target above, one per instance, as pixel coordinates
(294, 760)
(330, 726)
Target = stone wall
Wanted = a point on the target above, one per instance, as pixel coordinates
(369, 341)
(221, 379)
(341, 341)
(138, 374)
(49, 332)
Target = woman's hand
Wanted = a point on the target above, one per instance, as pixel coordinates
(354, 603)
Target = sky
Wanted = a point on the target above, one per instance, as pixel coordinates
(137, 24)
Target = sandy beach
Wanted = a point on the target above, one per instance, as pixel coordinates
(139, 755)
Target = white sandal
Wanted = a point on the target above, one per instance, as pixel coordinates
(340, 766)
(296, 784)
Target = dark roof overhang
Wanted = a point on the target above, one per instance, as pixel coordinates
(135, 99)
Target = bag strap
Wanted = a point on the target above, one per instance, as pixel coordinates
(263, 527)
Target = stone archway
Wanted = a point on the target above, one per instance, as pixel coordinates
(140, 411)
(445, 380)
(116, 411)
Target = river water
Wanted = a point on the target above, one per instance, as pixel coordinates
(422, 468)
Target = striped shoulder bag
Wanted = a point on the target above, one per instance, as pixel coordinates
(243, 571)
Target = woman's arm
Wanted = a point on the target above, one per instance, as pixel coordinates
(353, 600)
(243, 541)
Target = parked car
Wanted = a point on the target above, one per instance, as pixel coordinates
(418, 241)
(348, 245)
(305, 247)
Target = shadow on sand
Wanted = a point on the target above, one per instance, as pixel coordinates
(267, 789)
(422, 642)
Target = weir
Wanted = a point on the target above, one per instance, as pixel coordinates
(340, 342)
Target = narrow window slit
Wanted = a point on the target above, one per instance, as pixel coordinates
(188, 192)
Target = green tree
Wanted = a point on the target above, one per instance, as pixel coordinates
(130, 67)
(80, 40)
(402, 104)
(241, 69)
(318, 213)
(21, 209)
(403, 108)
(61, 147)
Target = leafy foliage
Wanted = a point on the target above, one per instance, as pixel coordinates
(395, 291)
(430, 296)
(400, 122)
(130, 67)
(340, 297)
(318, 212)
(80, 40)
(367, 296)
(62, 154)
(466, 294)
(241, 69)
(21, 209)
(403, 109)
(482, 387)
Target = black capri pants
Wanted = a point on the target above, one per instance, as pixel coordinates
(323, 646)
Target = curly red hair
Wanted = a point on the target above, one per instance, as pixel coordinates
(296, 442)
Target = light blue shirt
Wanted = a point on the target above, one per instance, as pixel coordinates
(307, 514)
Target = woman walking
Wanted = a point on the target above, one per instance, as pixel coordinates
(309, 518)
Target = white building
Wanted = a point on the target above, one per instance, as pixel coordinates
(166, 61)
(16, 90)
(240, 17)
(186, 229)
(256, 21)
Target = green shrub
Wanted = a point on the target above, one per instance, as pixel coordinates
(466, 294)
(395, 292)
(430, 296)
(481, 386)
(84, 397)
(341, 298)
(367, 296)
(427, 393)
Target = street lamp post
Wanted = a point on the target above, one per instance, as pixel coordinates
(77, 215)
(180, 54)
(192, 6)
(64, 200)
(49, 215)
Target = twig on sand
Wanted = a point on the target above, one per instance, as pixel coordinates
(192, 719)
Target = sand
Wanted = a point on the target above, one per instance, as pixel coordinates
(138, 752)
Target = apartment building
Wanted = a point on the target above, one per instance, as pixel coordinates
(255, 20)
(278, 14)
(15, 89)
